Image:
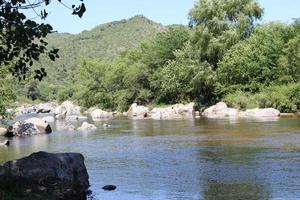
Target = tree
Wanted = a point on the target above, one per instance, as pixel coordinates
(254, 63)
(22, 40)
(219, 24)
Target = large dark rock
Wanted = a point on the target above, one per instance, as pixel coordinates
(46, 176)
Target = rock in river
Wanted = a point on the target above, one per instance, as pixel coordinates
(3, 131)
(100, 114)
(138, 112)
(42, 174)
(109, 187)
(87, 127)
(30, 126)
(220, 110)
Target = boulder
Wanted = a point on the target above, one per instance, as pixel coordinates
(71, 108)
(260, 113)
(67, 109)
(4, 143)
(30, 126)
(100, 114)
(138, 112)
(46, 175)
(87, 127)
(220, 110)
(26, 109)
(60, 112)
(3, 131)
(176, 111)
(48, 119)
(48, 107)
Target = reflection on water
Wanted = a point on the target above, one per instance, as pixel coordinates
(182, 159)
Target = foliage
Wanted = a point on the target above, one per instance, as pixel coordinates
(7, 93)
(22, 40)
(285, 98)
(219, 24)
(254, 63)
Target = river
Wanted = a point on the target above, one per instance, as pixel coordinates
(182, 159)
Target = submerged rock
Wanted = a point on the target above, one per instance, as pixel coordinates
(109, 187)
(87, 127)
(44, 175)
(139, 112)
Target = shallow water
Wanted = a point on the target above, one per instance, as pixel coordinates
(182, 159)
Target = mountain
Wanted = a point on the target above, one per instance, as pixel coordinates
(104, 42)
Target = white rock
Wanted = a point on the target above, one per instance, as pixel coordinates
(39, 123)
(3, 131)
(220, 110)
(60, 112)
(260, 112)
(48, 119)
(67, 109)
(71, 108)
(48, 107)
(176, 111)
(87, 127)
(100, 114)
(138, 112)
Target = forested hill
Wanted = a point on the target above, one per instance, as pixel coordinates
(104, 42)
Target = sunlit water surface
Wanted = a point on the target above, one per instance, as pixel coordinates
(182, 159)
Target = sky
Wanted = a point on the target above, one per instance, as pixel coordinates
(162, 11)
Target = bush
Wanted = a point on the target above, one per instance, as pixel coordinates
(285, 98)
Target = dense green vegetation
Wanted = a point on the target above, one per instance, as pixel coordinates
(225, 54)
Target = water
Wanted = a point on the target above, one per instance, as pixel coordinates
(182, 159)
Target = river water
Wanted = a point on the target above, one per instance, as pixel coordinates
(182, 159)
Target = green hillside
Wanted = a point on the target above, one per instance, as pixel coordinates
(104, 42)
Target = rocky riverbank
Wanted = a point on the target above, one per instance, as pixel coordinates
(69, 111)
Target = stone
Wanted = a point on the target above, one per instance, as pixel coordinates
(26, 109)
(100, 114)
(138, 112)
(48, 107)
(85, 127)
(3, 131)
(30, 126)
(109, 187)
(66, 109)
(220, 110)
(60, 112)
(260, 113)
(49, 119)
(5, 143)
(47, 175)
(176, 111)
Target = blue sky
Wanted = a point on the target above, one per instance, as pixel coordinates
(162, 11)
